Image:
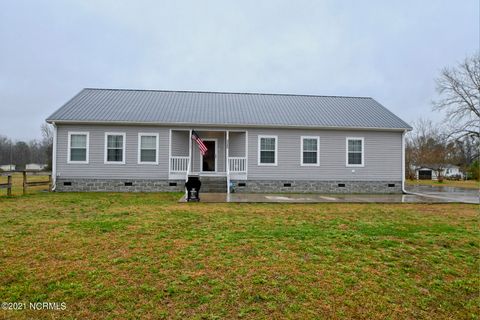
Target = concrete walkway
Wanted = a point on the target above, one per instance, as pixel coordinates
(317, 198)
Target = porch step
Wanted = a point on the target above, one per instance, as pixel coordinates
(213, 184)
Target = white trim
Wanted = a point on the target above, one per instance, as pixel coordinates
(170, 153)
(276, 150)
(318, 151)
(363, 152)
(246, 154)
(147, 134)
(123, 149)
(216, 156)
(190, 155)
(240, 126)
(54, 157)
(227, 159)
(80, 133)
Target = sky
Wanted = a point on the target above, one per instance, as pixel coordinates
(389, 50)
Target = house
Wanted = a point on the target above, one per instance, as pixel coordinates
(450, 172)
(140, 140)
(7, 167)
(35, 167)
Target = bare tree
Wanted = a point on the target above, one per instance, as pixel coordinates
(467, 151)
(428, 147)
(6, 150)
(47, 133)
(459, 89)
(410, 161)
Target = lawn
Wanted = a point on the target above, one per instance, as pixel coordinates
(469, 184)
(132, 256)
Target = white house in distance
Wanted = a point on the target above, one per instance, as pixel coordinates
(7, 167)
(140, 140)
(451, 171)
(35, 167)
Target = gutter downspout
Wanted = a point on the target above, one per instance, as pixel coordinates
(54, 157)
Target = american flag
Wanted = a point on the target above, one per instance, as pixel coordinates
(199, 141)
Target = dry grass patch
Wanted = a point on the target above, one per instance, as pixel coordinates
(146, 256)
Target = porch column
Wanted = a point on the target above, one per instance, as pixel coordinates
(189, 168)
(227, 162)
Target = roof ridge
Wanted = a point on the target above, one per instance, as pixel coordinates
(229, 92)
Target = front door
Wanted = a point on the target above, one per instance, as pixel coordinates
(209, 161)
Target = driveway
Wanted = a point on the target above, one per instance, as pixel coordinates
(318, 198)
(450, 194)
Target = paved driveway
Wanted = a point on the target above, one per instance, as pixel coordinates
(451, 194)
(316, 198)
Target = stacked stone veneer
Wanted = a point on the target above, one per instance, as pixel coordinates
(251, 186)
(313, 186)
(118, 185)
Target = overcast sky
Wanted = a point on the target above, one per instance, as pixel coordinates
(389, 50)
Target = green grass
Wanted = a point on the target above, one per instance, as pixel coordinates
(130, 256)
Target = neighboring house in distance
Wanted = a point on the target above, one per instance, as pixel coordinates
(7, 167)
(451, 171)
(35, 166)
(140, 140)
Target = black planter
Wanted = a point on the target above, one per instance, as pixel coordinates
(193, 185)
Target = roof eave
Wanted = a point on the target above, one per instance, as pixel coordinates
(229, 125)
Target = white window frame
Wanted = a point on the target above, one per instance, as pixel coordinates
(139, 152)
(105, 150)
(318, 151)
(363, 152)
(259, 150)
(85, 133)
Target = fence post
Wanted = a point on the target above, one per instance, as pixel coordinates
(49, 183)
(9, 188)
(24, 182)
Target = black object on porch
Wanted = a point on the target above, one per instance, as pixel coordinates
(193, 185)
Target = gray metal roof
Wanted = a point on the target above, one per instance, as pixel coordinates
(232, 109)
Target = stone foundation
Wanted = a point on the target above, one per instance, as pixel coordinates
(251, 186)
(313, 186)
(119, 185)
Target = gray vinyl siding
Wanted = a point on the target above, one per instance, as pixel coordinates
(383, 153)
(237, 144)
(180, 143)
(96, 168)
(383, 156)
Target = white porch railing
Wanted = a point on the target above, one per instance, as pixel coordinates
(237, 164)
(179, 164)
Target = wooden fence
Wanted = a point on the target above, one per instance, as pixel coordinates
(26, 184)
(7, 185)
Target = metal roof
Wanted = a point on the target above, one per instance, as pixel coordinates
(224, 108)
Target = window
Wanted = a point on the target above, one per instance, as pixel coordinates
(355, 147)
(310, 154)
(114, 147)
(78, 147)
(267, 150)
(148, 148)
